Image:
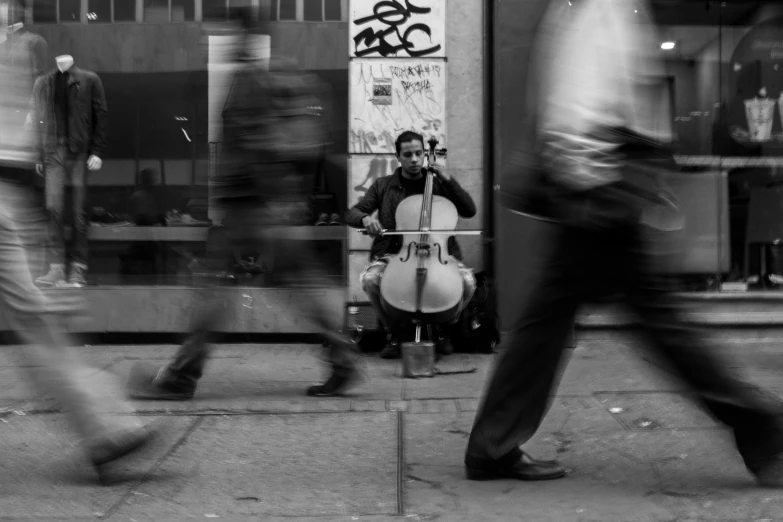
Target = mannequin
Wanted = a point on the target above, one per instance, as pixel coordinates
(71, 106)
(64, 62)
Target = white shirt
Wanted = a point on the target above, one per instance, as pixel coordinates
(594, 60)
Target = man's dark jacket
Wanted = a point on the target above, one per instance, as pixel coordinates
(385, 195)
(87, 112)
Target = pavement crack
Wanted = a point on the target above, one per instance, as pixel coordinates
(434, 483)
(149, 473)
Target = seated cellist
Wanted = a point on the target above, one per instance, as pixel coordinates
(384, 196)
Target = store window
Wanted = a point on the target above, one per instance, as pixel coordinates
(183, 10)
(156, 11)
(313, 10)
(70, 11)
(723, 95)
(287, 9)
(44, 11)
(124, 10)
(99, 11)
(333, 10)
(307, 10)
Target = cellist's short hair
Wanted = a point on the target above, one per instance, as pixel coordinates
(407, 137)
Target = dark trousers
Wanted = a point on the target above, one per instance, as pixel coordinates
(577, 265)
(62, 167)
(296, 264)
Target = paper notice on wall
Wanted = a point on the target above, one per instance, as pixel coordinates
(400, 29)
(391, 96)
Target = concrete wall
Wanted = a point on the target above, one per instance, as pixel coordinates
(465, 113)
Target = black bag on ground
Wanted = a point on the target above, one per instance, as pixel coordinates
(478, 329)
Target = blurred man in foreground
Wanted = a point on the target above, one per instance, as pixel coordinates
(600, 180)
(272, 133)
(55, 367)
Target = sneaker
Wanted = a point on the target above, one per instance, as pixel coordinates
(335, 385)
(77, 276)
(55, 276)
(150, 382)
(323, 219)
(334, 220)
(392, 348)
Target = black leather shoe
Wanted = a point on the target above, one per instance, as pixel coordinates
(392, 348)
(443, 340)
(150, 382)
(335, 385)
(523, 468)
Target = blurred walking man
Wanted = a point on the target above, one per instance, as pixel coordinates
(600, 178)
(272, 133)
(55, 367)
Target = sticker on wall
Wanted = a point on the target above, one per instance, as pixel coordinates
(398, 28)
(382, 91)
(389, 97)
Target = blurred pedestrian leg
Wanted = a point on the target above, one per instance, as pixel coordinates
(90, 397)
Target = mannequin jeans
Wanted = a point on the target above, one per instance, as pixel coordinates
(63, 167)
(56, 369)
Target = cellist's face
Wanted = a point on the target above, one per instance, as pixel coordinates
(411, 158)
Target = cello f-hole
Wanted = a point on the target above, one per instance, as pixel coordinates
(440, 255)
(410, 245)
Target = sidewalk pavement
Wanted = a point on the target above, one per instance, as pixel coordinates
(252, 446)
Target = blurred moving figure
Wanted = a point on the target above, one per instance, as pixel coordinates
(599, 180)
(272, 133)
(55, 367)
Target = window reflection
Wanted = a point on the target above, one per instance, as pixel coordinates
(70, 11)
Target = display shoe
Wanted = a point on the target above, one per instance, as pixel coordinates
(77, 276)
(55, 276)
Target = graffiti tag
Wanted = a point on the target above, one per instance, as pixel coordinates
(389, 34)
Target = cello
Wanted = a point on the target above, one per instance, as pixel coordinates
(423, 281)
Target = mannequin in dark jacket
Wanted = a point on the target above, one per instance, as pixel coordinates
(70, 104)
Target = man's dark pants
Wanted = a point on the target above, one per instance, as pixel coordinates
(297, 264)
(577, 265)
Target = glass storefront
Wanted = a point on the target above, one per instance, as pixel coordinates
(164, 99)
(722, 96)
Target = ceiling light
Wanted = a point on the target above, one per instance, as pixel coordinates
(667, 46)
